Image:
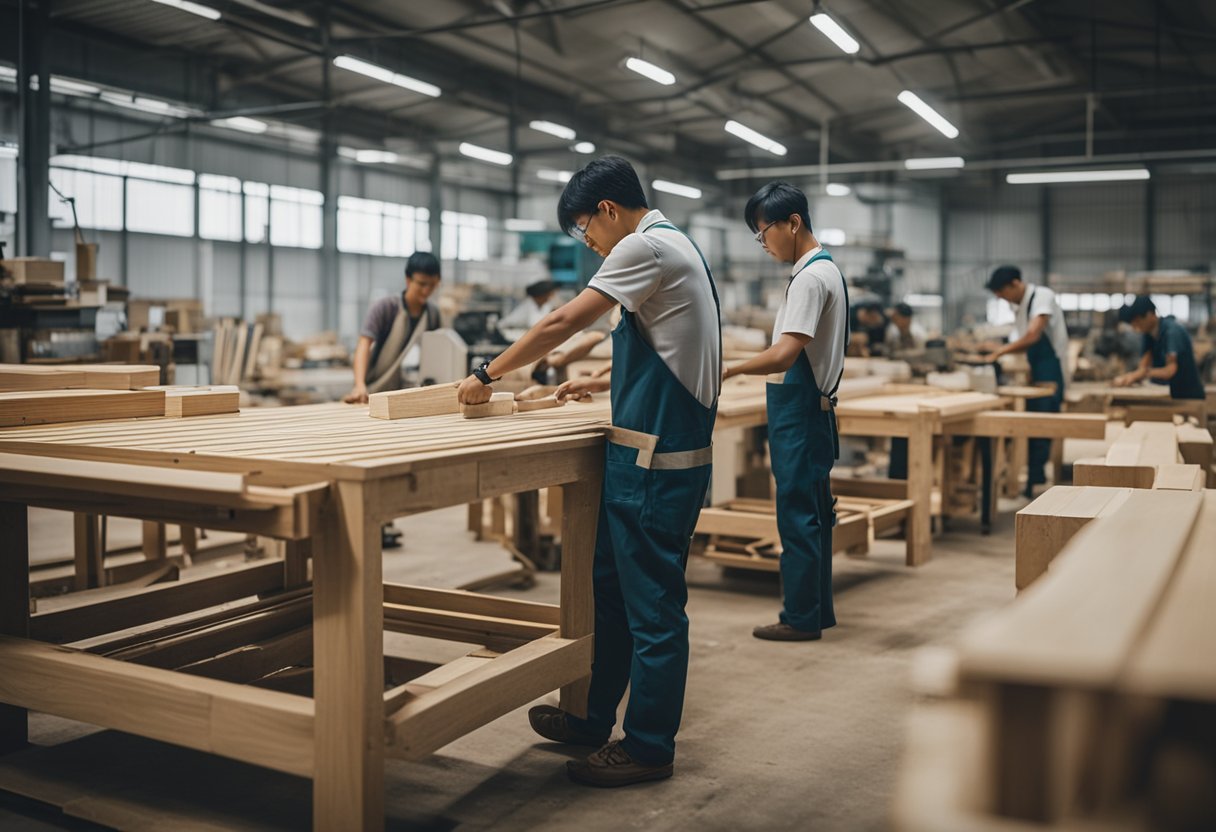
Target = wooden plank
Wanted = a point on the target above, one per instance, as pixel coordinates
(1180, 478)
(1078, 628)
(250, 662)
(81, 615)
(581, 503)
(258, 726)
(1011, 423)
(33, 377)
(1044, 527)
(89, 551)
(155, 541)
(435, 717)
(1097, 472)
(1195, 448)
(52, 406)
(348, 655)
(920, 491)
(183, 402)
(462, 626)
(543, 403)
(500, 404)
(474, 603)
(119, 376)
(14, 609)
(434, 400)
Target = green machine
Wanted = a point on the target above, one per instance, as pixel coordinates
(570, 262)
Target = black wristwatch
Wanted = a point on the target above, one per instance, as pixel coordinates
(483, 375)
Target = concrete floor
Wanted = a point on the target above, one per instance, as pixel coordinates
(776, 736)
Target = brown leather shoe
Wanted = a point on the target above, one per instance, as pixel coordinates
(612, 766)
(554, 725)
(784, 632)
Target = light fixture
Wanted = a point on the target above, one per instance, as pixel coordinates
(485, 154)
(934, 163)
(838, 189)
(151, 106)
(758, 139)
(914, 103)
(8, 151)
(559, 130)
(1051, 177)
(194, 8)
(562, 176)
(583, 147)
(649, 70)
(369, 156)
(70, 87)
(352, 64)
(831, 236)
(245, 125)
(515, 224)
(676, 188)
(835, 33)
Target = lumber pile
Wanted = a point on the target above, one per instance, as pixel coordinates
(16, 377)
(1146, 455)
(1086, 703)
(236, 348)
(40, 407)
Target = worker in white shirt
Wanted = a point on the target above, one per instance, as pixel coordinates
(904, 336)
(1041, 334)
(528, 313)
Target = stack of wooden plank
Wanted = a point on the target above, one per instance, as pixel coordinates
(235, 351)
(1089, 702)
(1146, 455)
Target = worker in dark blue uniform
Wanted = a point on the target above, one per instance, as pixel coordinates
(810, 338)
(666, 373)
(1169, 356)
(1041, 334)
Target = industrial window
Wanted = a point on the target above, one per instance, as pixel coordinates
(369, 226)
(295, 217)
(465, 236)
(257, 211)
(219, 207)
(160, 208)
(98, 199)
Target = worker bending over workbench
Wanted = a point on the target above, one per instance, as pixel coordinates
(1169, 356)
(666, 373)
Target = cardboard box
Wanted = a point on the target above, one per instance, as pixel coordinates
(33, 270)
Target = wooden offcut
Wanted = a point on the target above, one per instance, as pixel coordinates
(1180, 478)
(200, 401)
(53, 406)
(543, 403)
(434, 400)
(1045, 527)
(500, 404)
(119, 376)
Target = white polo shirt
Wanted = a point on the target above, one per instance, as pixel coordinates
(660, 278)
(815, 305)
(1039, 300)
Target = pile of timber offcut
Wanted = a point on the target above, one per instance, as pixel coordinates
(1090, 701)
(235, 350)
(1146, 455)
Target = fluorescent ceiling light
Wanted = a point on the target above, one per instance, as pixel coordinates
(70, 87)
(913, 102)
(193, 8)
(934, 163)
(554, 175)
(147, 105)
(245, 125)
(525, 225)
(676, 188)
(485, 154)
(8, 73)
(369, 156)
(831, 236)
(758, 139)
(559, 130)
(583, 147)
(352, 64)
(1049, 177)
(838, 189)
(835, 33)
(654, 73)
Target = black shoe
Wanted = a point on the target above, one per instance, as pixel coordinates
(554, 725)
(390, 537)
(612, 766)
(784, 632)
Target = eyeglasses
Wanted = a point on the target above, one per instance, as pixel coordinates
(760, 234)
(580, 232)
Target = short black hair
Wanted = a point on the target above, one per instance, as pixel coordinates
(540, 288)
(776, 201)
(1138, 308)
(422, 261)
(1002, 276)
(903, 310)
(609, 177)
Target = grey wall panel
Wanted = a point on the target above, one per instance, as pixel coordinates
(1097, 228)
(162, 267)
(1185, 228)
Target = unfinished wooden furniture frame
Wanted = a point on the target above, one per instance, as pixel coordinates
(322, 478)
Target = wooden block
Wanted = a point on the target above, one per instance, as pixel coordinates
(1195, 448)
(200, 401)
(1180, 478)
(1097, 472)
(32, 377)
(434, 400)
(50, 406)
(500, 404)
(528, 405)
(119, 376)
(33, 270)
(1044, 527)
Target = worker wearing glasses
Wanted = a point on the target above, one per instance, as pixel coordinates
(666, 373)
(805, 365)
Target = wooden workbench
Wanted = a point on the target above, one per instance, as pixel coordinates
(323, 478)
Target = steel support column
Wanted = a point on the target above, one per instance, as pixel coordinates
(34, 235)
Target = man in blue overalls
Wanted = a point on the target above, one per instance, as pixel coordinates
(666, 373)
(810, 337)
(1042, 335)
(1169, 356)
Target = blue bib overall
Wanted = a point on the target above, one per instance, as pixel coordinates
(803, 445)
(1044, 366)
(651, 501)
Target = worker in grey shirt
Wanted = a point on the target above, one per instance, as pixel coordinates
(393, 326)
(805, 365)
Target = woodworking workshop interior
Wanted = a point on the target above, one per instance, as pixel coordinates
(550, 415)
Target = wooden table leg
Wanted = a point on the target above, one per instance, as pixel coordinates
(189, 535)
(90, 551)
(348, 646)
(477, 511)
(295, 562)
(14, 608)
(581, 501)
(155, 541)
(1018, 456)
(920, 491)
